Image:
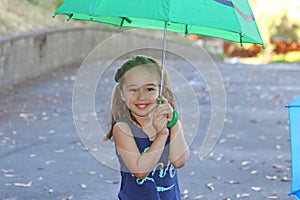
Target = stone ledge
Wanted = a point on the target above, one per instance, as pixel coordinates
(29, 55)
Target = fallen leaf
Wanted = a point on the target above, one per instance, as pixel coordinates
(112, 182)
(238, 147)
(68, 198)
(185, 191)
(230, 135)
(48, 162)
(256, 189)
(239, 196)
(285, 179)
(59, 151)
(278, 146)
(93, 172)
(32, 155)
(185, 194)
(232, 182)
(7, 170)
(199, 197)
(42, 138)
(51, 131)
(221, 141)
(50, 190)
(210, 186)
(277, 166)
(29, 184)
(253, 172)
(245, 163)
(192, 173)
(273, 196)
(26, 115)
(271, 177)
(10, 175)
(246, 167)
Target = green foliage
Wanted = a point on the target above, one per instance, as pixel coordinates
(277, 20)
(47, 4)
(58, 3)
(282, 22)
(34, 2)
(287, 30)
(290, 57)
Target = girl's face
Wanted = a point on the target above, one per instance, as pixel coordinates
(140, 91)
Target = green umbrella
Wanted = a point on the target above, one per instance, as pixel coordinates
(230, 20)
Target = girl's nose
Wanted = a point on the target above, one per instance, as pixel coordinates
(142, 94)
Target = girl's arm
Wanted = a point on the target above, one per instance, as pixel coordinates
(179, 151)
(138, 164)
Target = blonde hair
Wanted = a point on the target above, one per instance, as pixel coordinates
(119, 109)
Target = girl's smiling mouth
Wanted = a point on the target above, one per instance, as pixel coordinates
(141, 105)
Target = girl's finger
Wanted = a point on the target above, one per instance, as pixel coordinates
(164, 109)
(160, 122)
(164, 100)
(160, 110)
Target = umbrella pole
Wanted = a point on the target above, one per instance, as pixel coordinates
(163, 60)
(175, 112)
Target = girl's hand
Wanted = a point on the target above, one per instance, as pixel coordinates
(162, 115)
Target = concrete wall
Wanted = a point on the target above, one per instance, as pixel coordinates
(26, 56)
(29, 55)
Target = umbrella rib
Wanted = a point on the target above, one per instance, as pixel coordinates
(186, 29)
(241, 39)
(70, 16)
(122, 21)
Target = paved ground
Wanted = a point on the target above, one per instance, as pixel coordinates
(41, 155)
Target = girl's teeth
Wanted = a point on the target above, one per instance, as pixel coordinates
(141, 106)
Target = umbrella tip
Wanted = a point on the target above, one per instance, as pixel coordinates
(70, 16)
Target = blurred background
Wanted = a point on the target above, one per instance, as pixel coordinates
(278, 21)
(42, 158)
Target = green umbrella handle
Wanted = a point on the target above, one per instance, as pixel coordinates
(174, 119)
(160, 101)
(175, 115)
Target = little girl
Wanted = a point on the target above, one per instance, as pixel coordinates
(149, 152)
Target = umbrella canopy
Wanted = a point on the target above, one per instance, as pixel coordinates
(230, 20)
(294, 114)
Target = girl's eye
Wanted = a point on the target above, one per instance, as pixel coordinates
(132, 90)
(150, 89)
